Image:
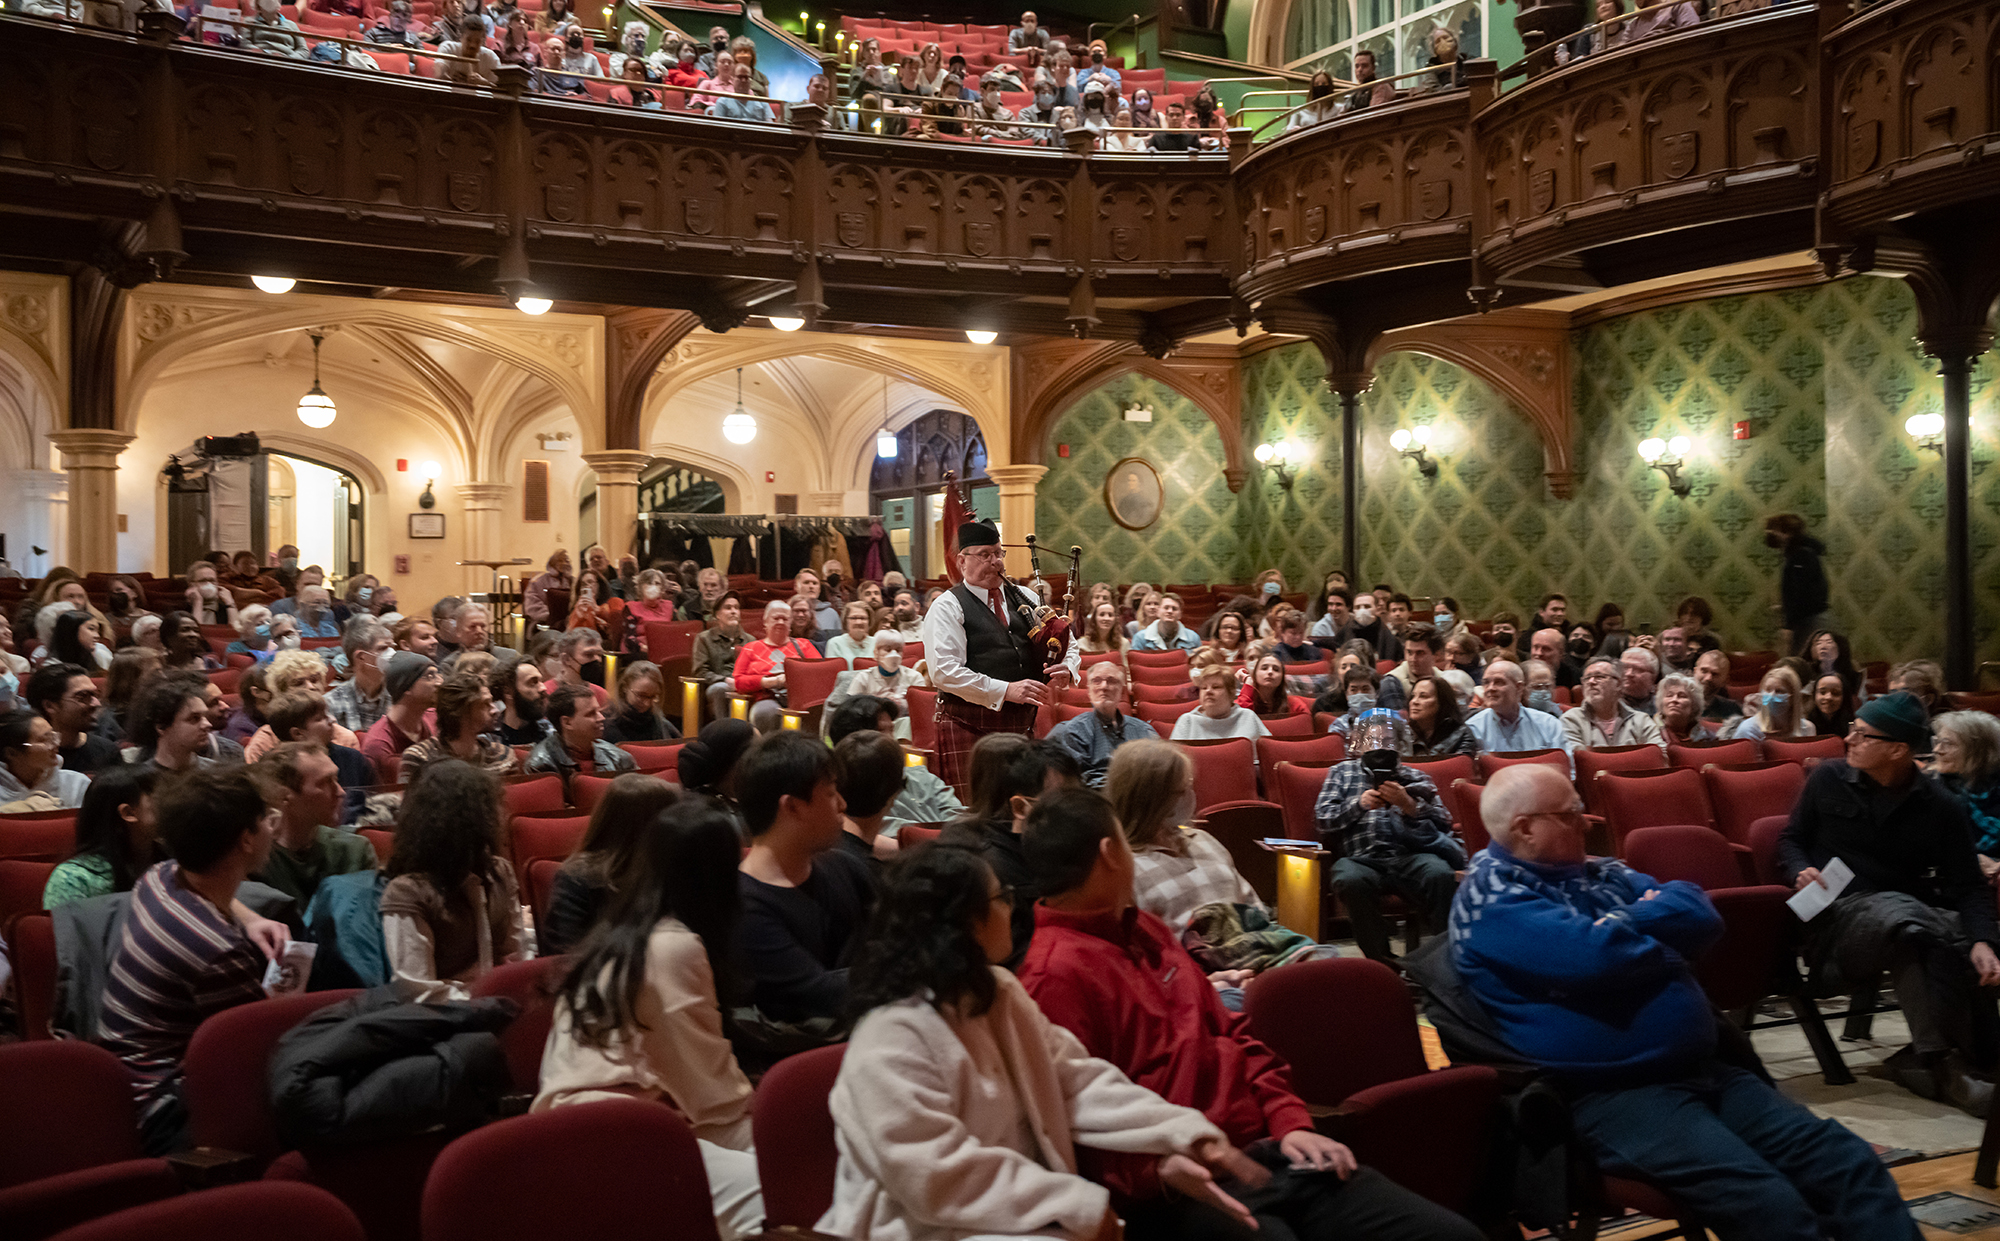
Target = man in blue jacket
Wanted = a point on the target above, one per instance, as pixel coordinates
(1582, 964)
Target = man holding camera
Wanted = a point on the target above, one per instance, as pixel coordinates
(1391, 834)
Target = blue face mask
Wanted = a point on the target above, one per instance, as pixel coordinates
(262, 631)
(1357, 703)
(1541, 698)
(1270, 588)
(1776, 701)
(363, 595)
(1444, 620)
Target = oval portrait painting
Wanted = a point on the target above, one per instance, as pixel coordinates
(1133, 494)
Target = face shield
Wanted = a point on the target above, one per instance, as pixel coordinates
(1380, 737)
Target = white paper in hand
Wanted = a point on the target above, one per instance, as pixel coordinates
(287, 975)
(1808, 901)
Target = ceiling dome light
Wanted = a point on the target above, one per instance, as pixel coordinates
(786, 323)
(739, 427)
(316, 407)
(981, 338)
(274, 284)
(532, 305)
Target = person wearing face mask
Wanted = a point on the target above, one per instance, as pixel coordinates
(1778, 709)
(1803, 593)
(1392, 831)
(1143, 114)
(718, 44)
(1503, 636)
(886, 679)
(255, 633)
(990, 115)
(1541, 682)
(363, 698)
(631, 46)
(1099, 71)
(1365, 623)
(551, 80)
(579, 663)
(1604, 720)
(1059, 77)
(1360, 690)
(209, 601)
(1320, 104)
(270, 31)
(315, 614)
(650, 602)
(1041, 112)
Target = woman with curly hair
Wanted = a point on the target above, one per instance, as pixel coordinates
(452, 909)
(959, 1105)
(641, 1009)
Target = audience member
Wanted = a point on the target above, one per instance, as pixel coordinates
(1605, 719)
(760, 665)
(1264, 693)
(1917, 908)
(535, 603)
(306, 847)
(1178, 868)
(117, 838)
(464, 710)
(466, 59)
(1392, 831)
(804, 898)
(1711, 670)
(1680, 714)
(1547, 646)
(1166, 633)
(621, 833)
(65, 696)
(1923, 680)
(188, 948)
(1371, 92)
(925, 797)
(1009, 772)
(1320, 104)
(1780, 710)
(1834, 703)
(1540, 681)
(517, 687)
(575, 743)
(1965, 746)
(1639, 673)
(1091, 738)
(301, 715)
(869, 772)
(1505, 724)
(1217, 716)
(452, 907)
(412, 682)
(1581, 965)
(634, 712)
(363, 698)
(1802, 586)
(885, 678)
(170, 726)
(1028, 34)
(639, 1013)
(1437, 723)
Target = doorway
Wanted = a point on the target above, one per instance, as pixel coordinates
(316, 508)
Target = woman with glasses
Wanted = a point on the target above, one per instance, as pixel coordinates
(31, 770)
(959, 1106)
(1965, 746)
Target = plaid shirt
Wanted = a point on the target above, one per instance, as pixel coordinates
(1171, 883)
(1384, 832)
(344, 702)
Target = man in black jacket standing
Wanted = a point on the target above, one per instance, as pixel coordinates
(1802, 590)
(1917, 907)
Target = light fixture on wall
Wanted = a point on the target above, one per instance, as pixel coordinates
(1276, 456)
(1403, 439)
(885, 439)
(980, 337)
(1668, 456)
(430, 471)
(316, 407)
(1927, 430)
(739, 427)
(274, 284)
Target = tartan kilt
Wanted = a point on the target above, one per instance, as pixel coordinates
(960, 725)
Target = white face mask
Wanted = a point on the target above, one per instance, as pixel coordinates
(208, 590)
(890, 660)
(1364, 615)
(289, 642)
(651, 592)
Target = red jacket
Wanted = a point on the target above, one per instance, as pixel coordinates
(1127, 989)
(753, 664)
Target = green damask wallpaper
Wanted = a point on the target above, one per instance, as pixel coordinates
(1825, 376)
(1198, 537)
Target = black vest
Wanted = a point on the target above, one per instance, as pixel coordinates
(1003, 654)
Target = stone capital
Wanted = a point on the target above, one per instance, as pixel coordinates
(1016, 479)
(90, 448)
(618, 465)
(483, 496)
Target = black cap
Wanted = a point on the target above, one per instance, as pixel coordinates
(977, 534)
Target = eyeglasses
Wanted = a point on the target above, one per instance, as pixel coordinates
(987, 555)
(1860, 734)
(1003, 895)
(1601, 676)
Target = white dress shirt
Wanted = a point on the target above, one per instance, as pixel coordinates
(944, 654)
(1530, 730)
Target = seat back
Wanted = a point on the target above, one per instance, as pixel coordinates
(382, 838)
(538, 882)
(1223, 770)
(21, 886)
(1799, 749)
(809, 682)
(1158, 659)
(585, 791)
(1143, 691)
(1159, 675)
(1493, 760)
(657, 758)
(49, 837)
(227, 1084)
(1238, 826)
(1326, 748)
(1630, 800)
(83, 1084)
(913, 834)
(1297, 726)
(289, 1209)
(1343, 1025)
(792, 1128)
(1590, 761)
(1754, 957)
(1699, 754)
(922, 701)
(1680, 851)
(1295, 787)
(620, 1167)
(1743, 793)
(1443, 771)
(1764, 834)
(1161, 715)
(533, 837)
(532, 985)
(666, 640)
(1464, 803)
(34, 950)
(534, 794)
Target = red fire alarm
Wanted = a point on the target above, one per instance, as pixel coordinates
(1742, 431)
(770, 476)
(402, 465)
(402, 564)
(1062, 450)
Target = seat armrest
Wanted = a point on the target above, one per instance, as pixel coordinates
(205, 1167)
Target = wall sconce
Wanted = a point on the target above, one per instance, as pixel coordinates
(430, 470)
(1668, 456)
(1402, 440)
(1276, 456)
(1927, 430)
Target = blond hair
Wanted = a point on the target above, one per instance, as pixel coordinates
(290, 669)
(1144, 784)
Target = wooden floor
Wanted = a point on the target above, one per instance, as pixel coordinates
(1951, 1173)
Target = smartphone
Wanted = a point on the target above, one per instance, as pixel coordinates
(1645, 627)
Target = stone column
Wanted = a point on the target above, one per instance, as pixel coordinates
(90, 457)
(485, 519)
(1017, 509)
(618, 471)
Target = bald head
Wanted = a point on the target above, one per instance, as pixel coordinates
(1533, 812)
(1547, 646)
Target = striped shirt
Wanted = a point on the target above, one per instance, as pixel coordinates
(179, 961)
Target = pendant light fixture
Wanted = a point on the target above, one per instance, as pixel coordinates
(739, 427)
(885, 439)
(316, 407)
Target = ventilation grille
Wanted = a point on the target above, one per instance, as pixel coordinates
(535, 491)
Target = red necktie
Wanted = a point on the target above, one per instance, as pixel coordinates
(998, 610)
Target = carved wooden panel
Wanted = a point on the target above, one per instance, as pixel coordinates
(1040, 228)
(1603, 132)
(914, 220)
(560, 178)
(1767, 100)
(1864, 111)
(104, 113)
(1939, 61)
(220, 137)
(631, 187)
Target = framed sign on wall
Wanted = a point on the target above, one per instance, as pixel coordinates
(426, 525)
